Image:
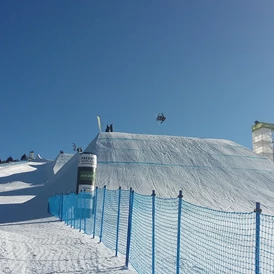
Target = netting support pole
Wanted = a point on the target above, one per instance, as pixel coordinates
(95, 207)
(118, 221)
(66, 210)
(80, 209)
(85, 211)
(71, 204)
(103, 211)
(153, 231)
(74, 210)
(61, 207)
(180, 196)
(258, 211)
(67, 213)
(49, 206)
(131, 195)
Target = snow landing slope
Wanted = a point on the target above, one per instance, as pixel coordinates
(218, 174)
(22, 181)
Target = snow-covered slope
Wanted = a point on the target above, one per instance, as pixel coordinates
(218, 174)
(22, 181)
(60, 161)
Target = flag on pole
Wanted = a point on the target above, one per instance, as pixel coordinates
(99, 123)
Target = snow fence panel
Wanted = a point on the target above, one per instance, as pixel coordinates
(89, 211)
(267, 244)
(123, 224)
(166, 230)
(216, 242)
(99, 207)
(141, 234)
(110, 219)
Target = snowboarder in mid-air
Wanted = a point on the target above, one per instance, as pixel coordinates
(161, 117)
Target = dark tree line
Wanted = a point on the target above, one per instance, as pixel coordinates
(10, 159)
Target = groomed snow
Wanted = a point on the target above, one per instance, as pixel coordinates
(48, 246)
(218, 174)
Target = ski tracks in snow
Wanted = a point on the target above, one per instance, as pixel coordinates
(48, 246)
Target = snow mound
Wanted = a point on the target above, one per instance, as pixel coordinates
(60, 161)
(218, 174)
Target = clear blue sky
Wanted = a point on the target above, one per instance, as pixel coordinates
(209, 65)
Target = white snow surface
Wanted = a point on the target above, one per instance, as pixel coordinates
(49, 246)
(60, 161)
(214, 173)
(34, 242)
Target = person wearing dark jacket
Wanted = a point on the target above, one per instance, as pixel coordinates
(107, 129)
(111, 128)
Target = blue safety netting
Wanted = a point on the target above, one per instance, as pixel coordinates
(216, 241)
(266, 244)
(166, 236)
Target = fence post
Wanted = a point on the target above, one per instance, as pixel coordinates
(153, 231)
(66, 208)
(118, 222)
(131, 195)
(85, 211)
(258, 211)
(74, 210)
(95, 209)
(102, 218)
(180, 196)
(71, 204)
(61, 206)
(80, 208)
(65, 213)
(49, 205)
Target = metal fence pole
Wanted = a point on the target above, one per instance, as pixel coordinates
(61, 206)
(180, 196)
(118, 221)
(74, 210)
(49, 205)
(85, 211)
(65, 213)
(95, 209)
(258, 211)
(153, 231)
(66, 208)
(71, 204)
(131, 195)
(80, 209)
(102, 218)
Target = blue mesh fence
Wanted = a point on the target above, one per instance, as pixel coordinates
(166, 235)
(169, 236)
(140, 251)
(123, 224)
(267, 244)
(216, 241)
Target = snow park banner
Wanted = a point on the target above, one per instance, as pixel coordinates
(86, 172)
